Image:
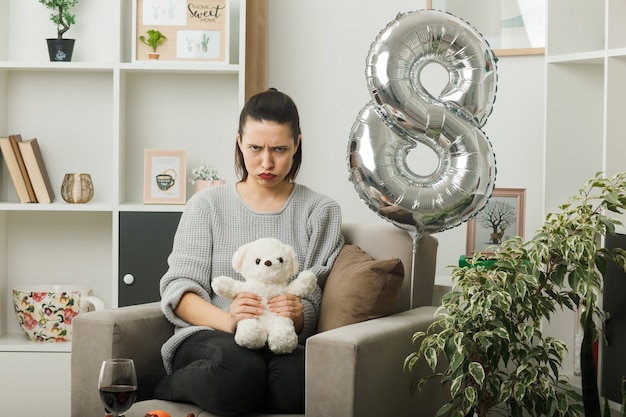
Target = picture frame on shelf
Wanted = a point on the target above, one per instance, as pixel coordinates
(501, 218)
(164, 176)
(195, 30)
(511, 27)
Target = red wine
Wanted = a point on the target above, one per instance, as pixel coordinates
(118, 398)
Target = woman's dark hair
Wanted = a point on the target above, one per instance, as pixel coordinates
(270, 106)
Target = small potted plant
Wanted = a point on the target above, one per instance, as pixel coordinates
(61, 49)
(205, 176)
(153, 40)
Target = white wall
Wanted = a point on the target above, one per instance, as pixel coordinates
(317, 52)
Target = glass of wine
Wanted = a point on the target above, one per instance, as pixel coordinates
(117, 385)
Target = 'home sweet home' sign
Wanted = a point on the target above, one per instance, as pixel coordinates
(196, 30)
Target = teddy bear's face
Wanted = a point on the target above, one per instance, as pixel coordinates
(267, 260)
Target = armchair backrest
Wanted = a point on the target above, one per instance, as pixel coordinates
(384, 241)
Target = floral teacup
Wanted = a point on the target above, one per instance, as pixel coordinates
(45, 312)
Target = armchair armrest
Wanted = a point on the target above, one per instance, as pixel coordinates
(358, 370)
(135, 332)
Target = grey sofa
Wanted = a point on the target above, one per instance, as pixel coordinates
(355, 370)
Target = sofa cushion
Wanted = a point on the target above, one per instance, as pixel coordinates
(359, 288)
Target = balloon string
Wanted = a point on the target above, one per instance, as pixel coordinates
(416, 236)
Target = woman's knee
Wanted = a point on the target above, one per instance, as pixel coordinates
(241, 388)
(218, 375)
(286, 384)
(219, 388)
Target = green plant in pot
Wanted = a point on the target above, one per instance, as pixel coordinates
(154, 39)
(59, 48)
(487, 341)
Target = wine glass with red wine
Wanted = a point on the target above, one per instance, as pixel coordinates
(117, 385)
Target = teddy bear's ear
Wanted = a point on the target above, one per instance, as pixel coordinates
(294, 260)
(239, 256)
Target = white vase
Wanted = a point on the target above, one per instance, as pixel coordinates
(202, 184)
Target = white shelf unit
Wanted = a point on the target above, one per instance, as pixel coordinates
(97, 114)
(585, 66)
(585, 69)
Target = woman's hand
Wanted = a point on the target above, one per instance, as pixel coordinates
(245, 305)
(290, 306)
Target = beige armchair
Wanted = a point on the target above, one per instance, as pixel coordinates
(355, 370)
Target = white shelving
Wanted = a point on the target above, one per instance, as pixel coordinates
(98, 114)
(586, 61)
(585, 69)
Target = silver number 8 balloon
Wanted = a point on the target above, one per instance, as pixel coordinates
(403, 113)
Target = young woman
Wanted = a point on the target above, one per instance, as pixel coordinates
(205, 366)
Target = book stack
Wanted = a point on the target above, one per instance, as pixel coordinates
(27, 169)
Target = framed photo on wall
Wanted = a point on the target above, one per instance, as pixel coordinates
(164, 178)
(501, 218)
(512, 27)
(195, 30)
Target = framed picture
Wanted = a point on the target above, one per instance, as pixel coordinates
(500, 219)
(196, 30)
(164, 178)
(512, 27)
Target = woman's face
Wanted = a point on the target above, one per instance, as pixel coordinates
(268, 149)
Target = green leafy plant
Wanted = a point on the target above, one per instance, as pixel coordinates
(486, 341)
(154, 39)
(61, 15)
(205, 172)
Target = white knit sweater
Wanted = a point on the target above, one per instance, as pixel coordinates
(216, 222)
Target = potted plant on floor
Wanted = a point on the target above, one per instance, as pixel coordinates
(59, 48)
(487, 342)
(154, 39)
(205, 176)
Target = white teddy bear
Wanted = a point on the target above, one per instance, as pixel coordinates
(267, 264)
